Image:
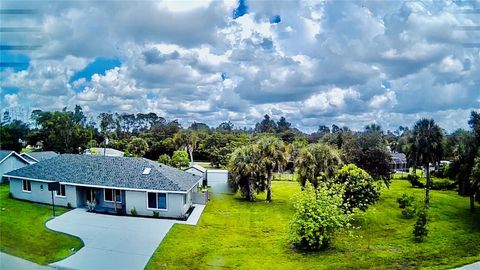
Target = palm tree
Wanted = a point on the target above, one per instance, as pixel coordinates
(273, 155)
(475, 182)
(317, 162)
(427, 142)
(247, 174)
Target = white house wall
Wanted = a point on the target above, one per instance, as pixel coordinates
(138, 200)
(43, 196)
(11, 163)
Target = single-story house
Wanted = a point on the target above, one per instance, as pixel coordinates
(217, 179)
(123, 185)
(34, 157)
(398, 162)
(99, 151)
(9, 161)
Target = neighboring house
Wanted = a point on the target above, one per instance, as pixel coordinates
(9, 161)
(99, 151)
(115, 184)
(398, 162)
(217, 179)
(34, 157)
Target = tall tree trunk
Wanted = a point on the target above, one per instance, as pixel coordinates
(472, 203)
(427, 188)
(269, 186)
(250, 190)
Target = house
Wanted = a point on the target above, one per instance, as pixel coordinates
(9, 161)
(99, 151)
(122, 185)
(398, 162)
(34, 157)
(217, 179)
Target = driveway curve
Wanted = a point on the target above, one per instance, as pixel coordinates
(111, 242)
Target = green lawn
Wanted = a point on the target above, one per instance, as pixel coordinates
(236, 234)
(23, 232)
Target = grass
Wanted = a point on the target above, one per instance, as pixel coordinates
(206, 164)
(23, 232)
(233, 233)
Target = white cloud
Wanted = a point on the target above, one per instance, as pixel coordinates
(323, 62)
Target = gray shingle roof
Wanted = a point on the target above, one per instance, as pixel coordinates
(42, 155)
(120, 172)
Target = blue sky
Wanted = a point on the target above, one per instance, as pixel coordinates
(327, 62)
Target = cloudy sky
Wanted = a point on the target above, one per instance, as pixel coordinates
(343, 62)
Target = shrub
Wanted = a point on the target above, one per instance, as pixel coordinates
(360, 189)
(420, 230)
(415, 180)
(133, 211)
(318, 216)
(69, 206)
(407, 204)
(180, 159)
(442, 184)
(10, 195)
(156, 214)
(165, 159)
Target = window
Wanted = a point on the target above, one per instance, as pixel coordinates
(184, 199)
(61, 191)
(157, 200)
(109, 195)
(41, 187)
(26, 186)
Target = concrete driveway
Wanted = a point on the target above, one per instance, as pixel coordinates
(113, 242)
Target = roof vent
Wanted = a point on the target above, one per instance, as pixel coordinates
(146, 171)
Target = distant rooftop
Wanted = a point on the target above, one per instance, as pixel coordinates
(39, 156)
(99, 151)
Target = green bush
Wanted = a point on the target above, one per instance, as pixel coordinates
(318, 216)
(165, 159)
(156, 214)
(180, 159)
(415, 181)
(442, 184)
(407, 204)
(133, 211)
(360, 189)
(69, 206)
(420, 230)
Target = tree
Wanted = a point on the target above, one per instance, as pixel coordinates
(283, 125)
(12, 135)
(318, 216)
(165, 159)
(373, 128)
(225, 127)
(368, 151)
(316, 163)
(267, 125)
(137, 147)
(60, 131)
(360, 189)
(199, 126)
(180, 159)
(247, 173)
(428, 138)
(273, 156)
(475, 182)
